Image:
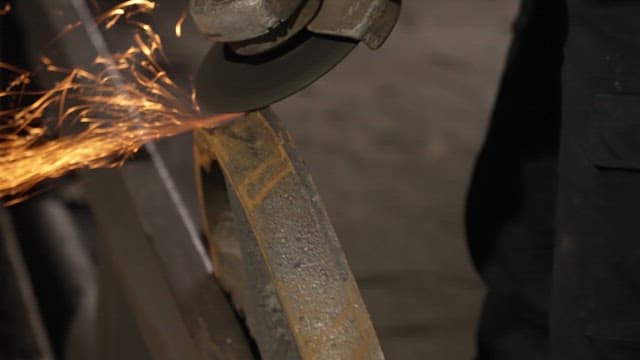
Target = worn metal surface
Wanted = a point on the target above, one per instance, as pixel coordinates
(238, 262)
(368, 20)
(180, 310)
(296, 254)
(265, 315)
(236, 20)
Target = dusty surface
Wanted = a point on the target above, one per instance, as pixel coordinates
(390, 138)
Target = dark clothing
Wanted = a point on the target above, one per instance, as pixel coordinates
(554, 207)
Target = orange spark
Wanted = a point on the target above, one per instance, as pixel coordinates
(179, 23)
(6, 8)
(95, 116)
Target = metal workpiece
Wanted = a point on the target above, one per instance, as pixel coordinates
(369, 21)
(300, 292)
(236, 20)
(238, 262)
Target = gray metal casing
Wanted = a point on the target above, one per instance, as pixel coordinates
(237, 20)
(369, 21)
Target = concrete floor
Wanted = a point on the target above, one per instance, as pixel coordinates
(390, 137)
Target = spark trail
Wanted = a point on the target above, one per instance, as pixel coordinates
(96, 115)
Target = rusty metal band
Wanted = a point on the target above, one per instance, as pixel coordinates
(294, 241)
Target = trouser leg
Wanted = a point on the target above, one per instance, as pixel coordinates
(511, 203)
(596, 294)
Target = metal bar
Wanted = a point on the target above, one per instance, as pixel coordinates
(240, 265)
(304, 262)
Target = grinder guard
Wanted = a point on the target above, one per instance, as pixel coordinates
(271, 49)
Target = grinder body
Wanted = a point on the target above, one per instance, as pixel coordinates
(267, 50)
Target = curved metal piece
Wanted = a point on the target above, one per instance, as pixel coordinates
(228, 82)
(297, 279)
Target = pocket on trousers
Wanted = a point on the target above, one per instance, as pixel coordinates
(615, 137)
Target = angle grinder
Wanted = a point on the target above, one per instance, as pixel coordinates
(267, 50)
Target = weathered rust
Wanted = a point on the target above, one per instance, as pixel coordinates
(294, 242)
(219, 225)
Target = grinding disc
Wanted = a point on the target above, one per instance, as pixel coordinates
(228, 82)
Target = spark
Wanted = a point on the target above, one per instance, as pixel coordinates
(179, 23)
(5, 9)
(91, 118)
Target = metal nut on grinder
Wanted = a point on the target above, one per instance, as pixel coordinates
(268, 50)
